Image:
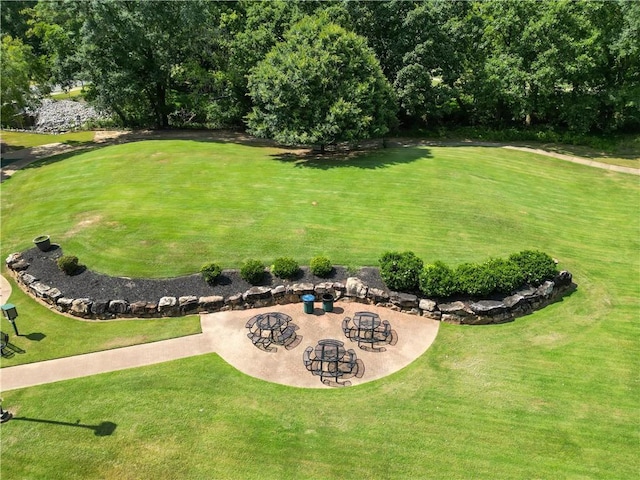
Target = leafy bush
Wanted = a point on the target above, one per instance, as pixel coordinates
(507, 274)
(401, 271)
(252, 271)
(438, 280)
(210, 272)
(321, 266)
(68, 264)
(285, 267)
(476, 280)
(535, 266)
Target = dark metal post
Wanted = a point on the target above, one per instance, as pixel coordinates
(10, 313)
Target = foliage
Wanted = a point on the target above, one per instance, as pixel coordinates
(68, 264)
(507, 274)
(210, 272)
(475, 280)
(321, 266)
(564, 65)
(285, 267)
(320, 86)
(535, 266)
(16, 71)
(438, 280)
(401, 271)
(253, 271)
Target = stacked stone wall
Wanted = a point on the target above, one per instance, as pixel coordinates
(461, 311)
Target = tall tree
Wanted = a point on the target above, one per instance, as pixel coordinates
(320, 85)
(428, 82)
(16, 71)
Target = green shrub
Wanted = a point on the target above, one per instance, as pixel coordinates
(475, 280)
(438, 280)
(321, 266)
(68, 264)
(535, 266)
(252, 271)
(401, 271)
(210, 272)
(507, 274)
(285, 267)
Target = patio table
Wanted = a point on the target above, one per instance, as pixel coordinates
(370, 330)
(332, 362)
(272, 328)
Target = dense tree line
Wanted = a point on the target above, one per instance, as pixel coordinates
(322, 71)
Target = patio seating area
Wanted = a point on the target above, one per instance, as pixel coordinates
(273, 328)
(369, 331)
(329, 359)
(332, 363)
(312, 362)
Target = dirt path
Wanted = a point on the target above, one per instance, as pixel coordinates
(22, 158)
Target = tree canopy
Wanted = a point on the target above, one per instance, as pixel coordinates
(320, 85)
(558, 64)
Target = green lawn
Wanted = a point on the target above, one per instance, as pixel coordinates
(46, 335)
(69, 95)
(18, 140)
(551, 395)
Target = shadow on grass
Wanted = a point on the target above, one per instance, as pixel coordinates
(369, 159)
(10, 350)
(36, 336)
(103, 429)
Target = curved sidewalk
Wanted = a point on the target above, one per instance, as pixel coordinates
(225, 333)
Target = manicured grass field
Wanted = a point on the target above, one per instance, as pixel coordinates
(551, 395)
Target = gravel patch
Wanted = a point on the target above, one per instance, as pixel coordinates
(97, 286)
(63, 115)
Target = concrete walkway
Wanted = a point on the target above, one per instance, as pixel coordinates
(225, 333)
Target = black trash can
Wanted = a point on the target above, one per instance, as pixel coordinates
(327, 302)
(308, 303)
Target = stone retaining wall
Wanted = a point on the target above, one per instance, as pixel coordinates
(468, 312)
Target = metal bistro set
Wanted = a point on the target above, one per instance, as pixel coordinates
(332, 362)
(369, 331)
(273, 328)
(329, 359)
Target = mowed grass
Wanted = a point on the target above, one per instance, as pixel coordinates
(18, 140)
(46, 335)
(551, 395)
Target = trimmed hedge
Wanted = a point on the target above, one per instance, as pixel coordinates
(475, 279)
(285, 267)
(253, 271)
(438, 280)
(68, 264)
(401, 271)
(496, 275)
(507, 274)
(210, 272)
(536, 266)
(321, 266)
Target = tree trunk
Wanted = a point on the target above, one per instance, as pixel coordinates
(162, 119)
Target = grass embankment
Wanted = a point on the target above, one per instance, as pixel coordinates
(554, 394)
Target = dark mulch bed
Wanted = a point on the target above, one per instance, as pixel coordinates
(96, 286)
